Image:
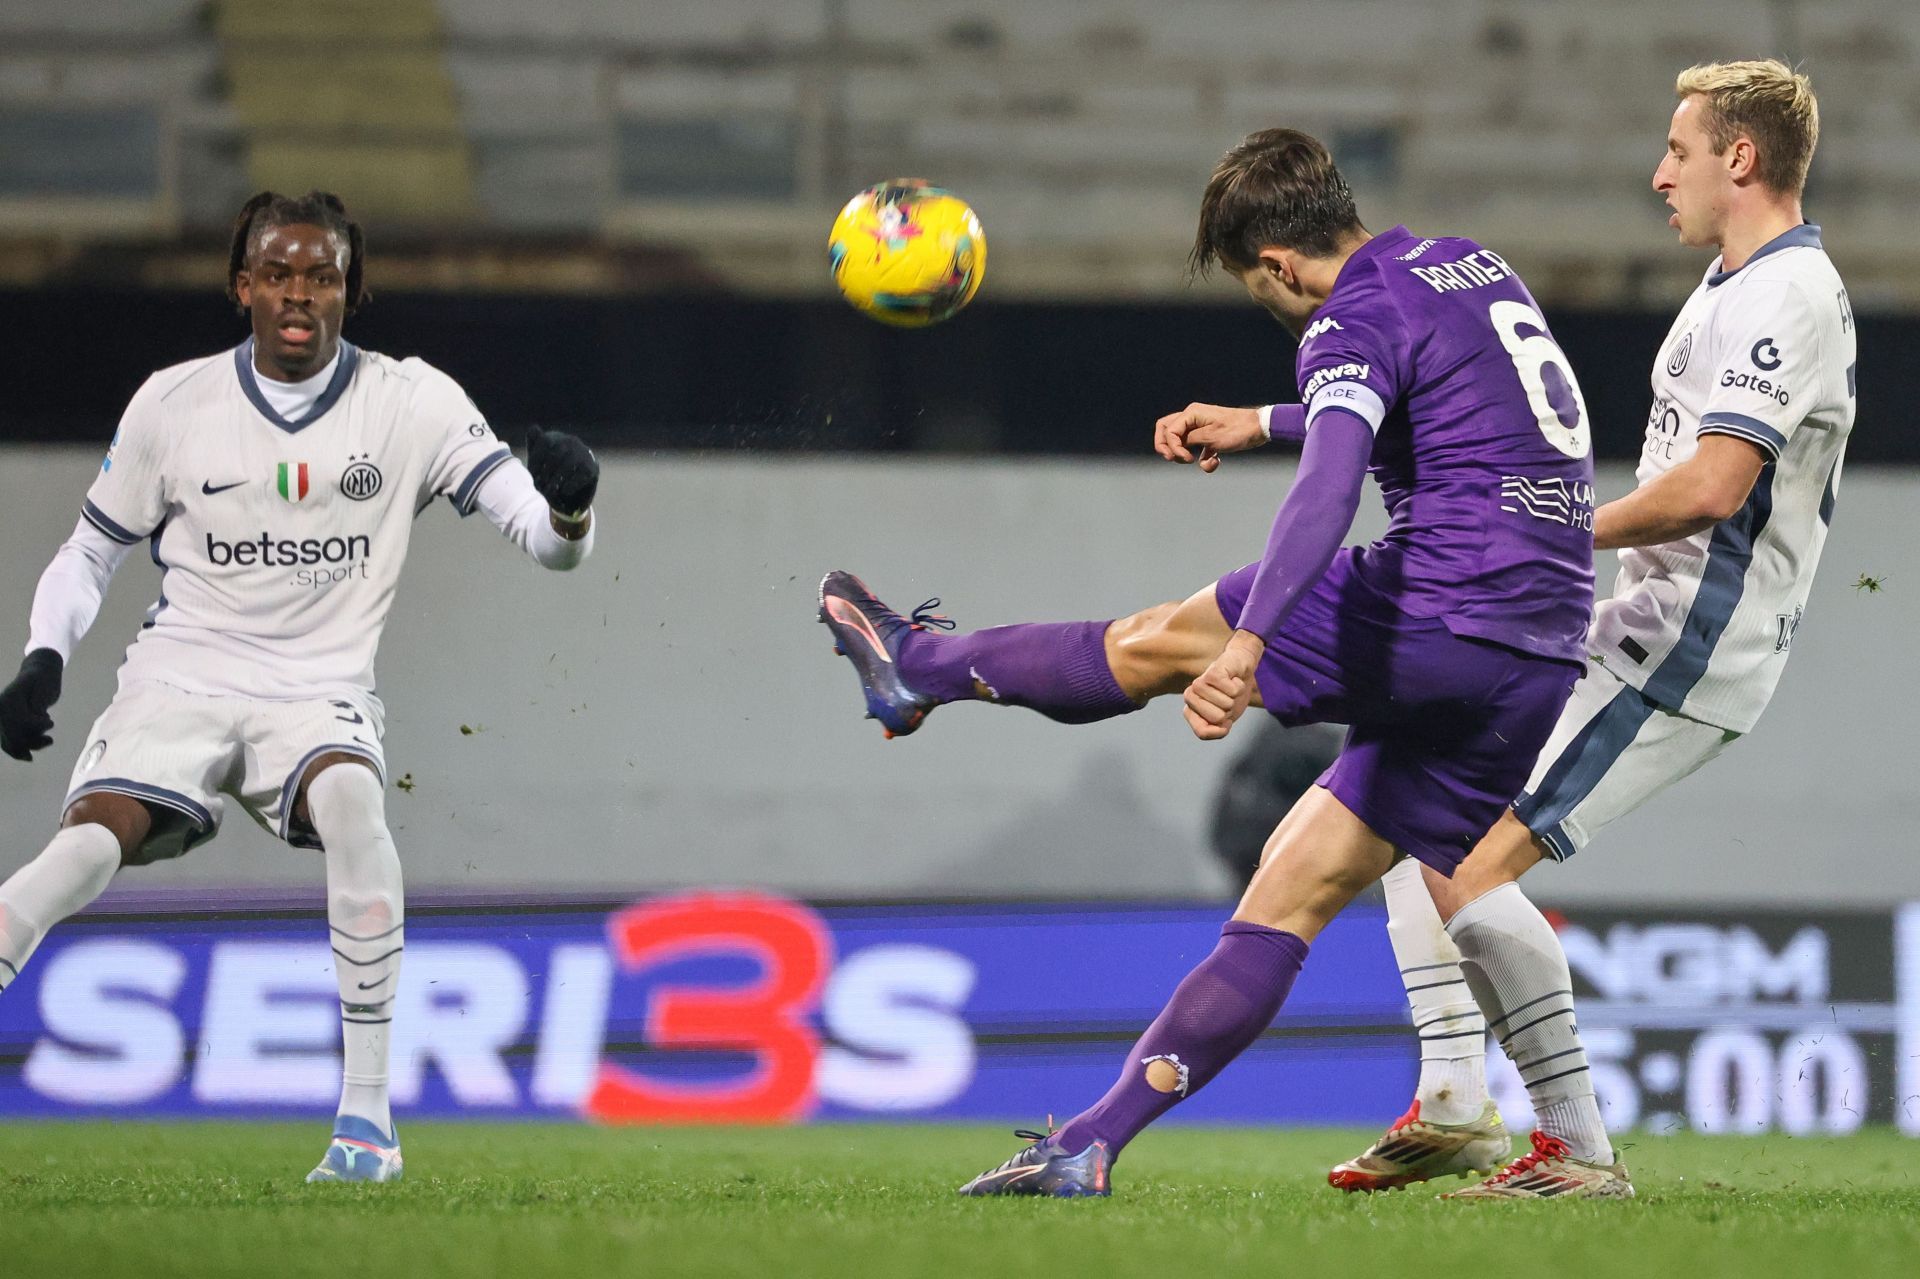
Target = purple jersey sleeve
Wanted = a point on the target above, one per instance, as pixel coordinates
(1351, 371)
(1356, 356)
(1312, 521)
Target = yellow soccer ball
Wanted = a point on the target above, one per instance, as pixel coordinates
(907, 253)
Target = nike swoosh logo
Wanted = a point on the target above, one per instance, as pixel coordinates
(207, 487)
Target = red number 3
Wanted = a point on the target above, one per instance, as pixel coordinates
(766, 1018)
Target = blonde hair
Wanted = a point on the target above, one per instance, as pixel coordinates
(1770, 103)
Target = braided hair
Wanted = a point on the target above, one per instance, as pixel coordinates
(316, 208)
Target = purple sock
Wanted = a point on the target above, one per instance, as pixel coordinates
(1219, 1009)
(1057, 668)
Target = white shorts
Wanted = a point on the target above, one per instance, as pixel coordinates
(180, 752)
(1611, 751)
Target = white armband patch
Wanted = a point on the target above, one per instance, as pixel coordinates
(1356, 398)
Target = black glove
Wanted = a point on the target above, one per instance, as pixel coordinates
(564, 471)
(25, 726)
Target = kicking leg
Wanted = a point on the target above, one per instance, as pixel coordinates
(1072, 672)
(1321, 856)
(346, 806)
(96, 833)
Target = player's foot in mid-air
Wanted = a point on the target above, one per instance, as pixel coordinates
(1043, 1169)
(869, 634)
(1549, 1171)
(1416, 1149)
(359, 1152)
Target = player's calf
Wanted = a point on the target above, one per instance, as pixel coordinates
(1057, 668)
(366, 923)
(1158, 651)
(73, 869)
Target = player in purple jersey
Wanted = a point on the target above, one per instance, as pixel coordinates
(1448, 646)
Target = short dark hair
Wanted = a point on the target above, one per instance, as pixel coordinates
(270, 209)
(1278, 187)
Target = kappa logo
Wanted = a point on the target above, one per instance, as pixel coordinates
(1677, 361)
(93, 756)
(1318, 327)
(362, 479)
(1766, 356)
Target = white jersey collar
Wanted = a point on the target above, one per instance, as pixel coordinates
(1806, 234)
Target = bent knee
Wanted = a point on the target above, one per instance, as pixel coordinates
(341, 789)
(128, 820)
(1156, 651)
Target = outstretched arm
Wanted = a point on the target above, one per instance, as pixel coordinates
(546, 506)
(516, 508)
(64, 606)
(1308, 530)
(1204, 433)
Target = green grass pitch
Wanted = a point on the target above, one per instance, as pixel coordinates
(484, 1200)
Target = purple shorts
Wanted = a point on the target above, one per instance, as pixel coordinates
(1443, 730)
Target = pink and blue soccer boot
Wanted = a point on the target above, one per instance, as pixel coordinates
(1043, 1169)
(359, 1152)
(869, 634)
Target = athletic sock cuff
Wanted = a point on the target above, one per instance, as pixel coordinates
(1477, 909)
(1090, 681)
(1264, 946)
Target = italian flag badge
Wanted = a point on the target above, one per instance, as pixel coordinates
(293, 481)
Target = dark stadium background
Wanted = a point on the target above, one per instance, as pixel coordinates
(699, 371)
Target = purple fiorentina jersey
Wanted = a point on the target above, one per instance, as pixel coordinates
(1480, 440)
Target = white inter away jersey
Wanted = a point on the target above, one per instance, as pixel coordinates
(1702, 626)
(281, 541)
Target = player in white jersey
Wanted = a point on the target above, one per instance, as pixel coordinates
(276, 485)
(1753, 401)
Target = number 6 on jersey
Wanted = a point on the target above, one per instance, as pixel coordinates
(1544, 374)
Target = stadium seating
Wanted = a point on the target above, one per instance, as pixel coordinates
(741, 122)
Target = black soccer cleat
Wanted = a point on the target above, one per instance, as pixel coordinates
(869, 634)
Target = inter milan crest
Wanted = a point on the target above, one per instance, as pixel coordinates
(361, 480)
(1677, 362)
(293, 481)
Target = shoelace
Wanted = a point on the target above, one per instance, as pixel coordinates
(1024, 1134)
(923, 617)
(1544, 1148)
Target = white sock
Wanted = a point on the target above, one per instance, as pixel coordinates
(365, 907)
(1453, 1033)
(1519, 973)
(74, 869)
